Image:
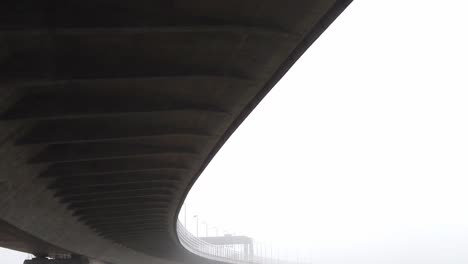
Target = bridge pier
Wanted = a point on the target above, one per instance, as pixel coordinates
(248, 251)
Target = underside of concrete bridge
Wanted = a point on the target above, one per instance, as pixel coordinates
(110, 110)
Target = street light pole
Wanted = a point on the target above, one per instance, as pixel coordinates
(206, 228)
(185, 215)
(196, 216)
(215, 228)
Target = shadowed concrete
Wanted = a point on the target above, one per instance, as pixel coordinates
(110, 110)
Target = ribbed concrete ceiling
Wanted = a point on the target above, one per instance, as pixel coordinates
(119, 105)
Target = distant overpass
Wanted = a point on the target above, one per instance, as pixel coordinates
(226, 249)
(110, 110)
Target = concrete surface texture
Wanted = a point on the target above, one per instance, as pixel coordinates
(110, 110)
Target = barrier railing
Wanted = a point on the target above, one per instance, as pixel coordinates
(228, 253)
(224, 253)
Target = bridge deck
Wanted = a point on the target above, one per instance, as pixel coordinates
(110, 110)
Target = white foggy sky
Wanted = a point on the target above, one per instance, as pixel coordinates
(359, 154)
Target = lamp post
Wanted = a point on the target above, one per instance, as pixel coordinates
(185, 215)
(206, 228)
(196, 216)
(215, 228)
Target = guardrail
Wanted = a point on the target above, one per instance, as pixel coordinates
(224, 253)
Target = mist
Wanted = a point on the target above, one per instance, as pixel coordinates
(359, 154)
